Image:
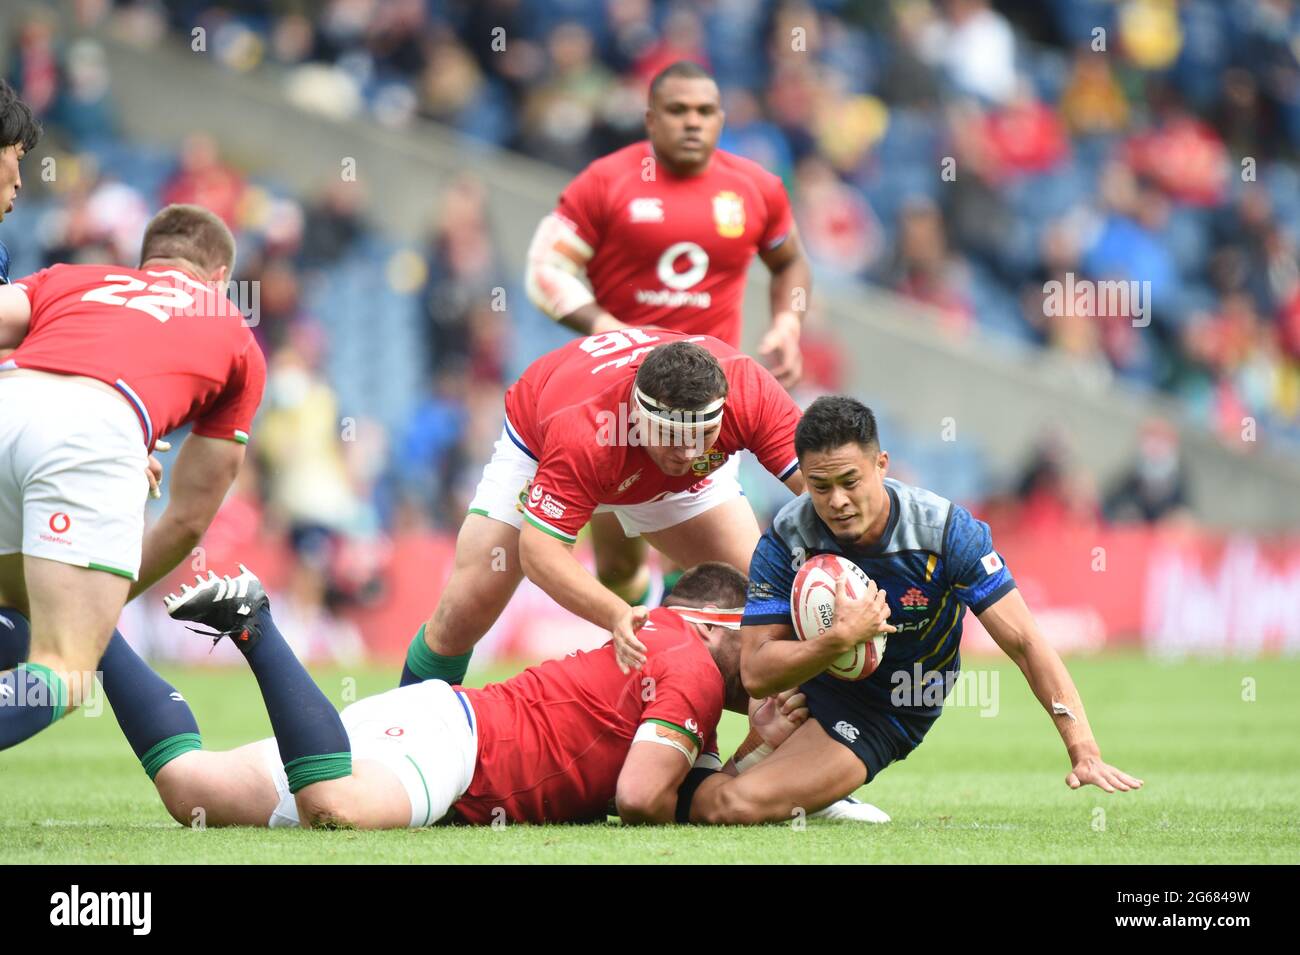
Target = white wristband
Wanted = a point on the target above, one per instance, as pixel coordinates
(754, 757)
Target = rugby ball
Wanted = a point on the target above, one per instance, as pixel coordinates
(812, 607)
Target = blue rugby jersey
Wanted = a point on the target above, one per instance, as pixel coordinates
(933, 561)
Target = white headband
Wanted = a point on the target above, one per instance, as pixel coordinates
(686, 419)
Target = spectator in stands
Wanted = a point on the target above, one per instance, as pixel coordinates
(1155, 488)
(1052, 491)
(333, 224)
(973, 45)
(204, 180)
(562, 111)
(925, 269)
(300, 434)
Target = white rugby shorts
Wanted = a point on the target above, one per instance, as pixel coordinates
(425, 733)
(72, 475)
(512, 468)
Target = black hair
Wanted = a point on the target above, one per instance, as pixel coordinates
(833, 421)
(682, 69)
(18, 127)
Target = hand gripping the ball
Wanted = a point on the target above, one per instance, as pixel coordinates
(858, 619)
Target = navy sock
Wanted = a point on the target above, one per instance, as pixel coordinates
(15, 638)
(313, 743)
(32, 697)
(154, 717)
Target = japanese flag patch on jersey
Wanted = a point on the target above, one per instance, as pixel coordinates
(992, 563)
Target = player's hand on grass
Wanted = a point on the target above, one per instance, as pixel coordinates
(779, 349)
(628, 650)
(154, 470)
(858, 619)
(776, 717)
(1091, 771)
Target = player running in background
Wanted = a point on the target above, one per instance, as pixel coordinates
(931, 560)
(634, 422)
(555, 743)
(19, 134)
(665, 231)
(108, 360)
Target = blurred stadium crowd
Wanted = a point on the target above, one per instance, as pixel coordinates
(1123, 161)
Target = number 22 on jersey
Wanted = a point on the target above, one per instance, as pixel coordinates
(161, 301)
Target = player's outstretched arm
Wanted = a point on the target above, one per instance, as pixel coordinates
(204, 471)
(15, 315)
(1013, 628)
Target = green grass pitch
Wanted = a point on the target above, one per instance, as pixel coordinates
(1222, 786)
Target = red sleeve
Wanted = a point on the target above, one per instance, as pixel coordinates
(779, 217)
(231, 415)
(769, 418)
(31, 284)
(560, 499)
(687, 694)
(582, 205)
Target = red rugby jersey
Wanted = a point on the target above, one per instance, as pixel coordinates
(552, 740)
(570, 408)
(673, 251)
(177, 348)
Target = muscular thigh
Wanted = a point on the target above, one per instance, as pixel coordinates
(807, 773)
(618, 557)
(13, 591)
(73, 611)
(728, 532)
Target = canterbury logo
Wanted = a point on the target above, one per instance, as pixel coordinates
(847, 730)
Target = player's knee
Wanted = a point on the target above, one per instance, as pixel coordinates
(181, 792)
(327, 805)
(620, 572)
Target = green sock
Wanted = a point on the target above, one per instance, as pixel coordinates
(56, 689)
(316, 768)
(423, 664)
(164, 751)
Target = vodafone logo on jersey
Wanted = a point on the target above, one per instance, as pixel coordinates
(697, 262)
(681, 266)
(59, 523)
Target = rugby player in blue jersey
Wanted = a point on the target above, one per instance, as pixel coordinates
(928, 560)
(19, 133)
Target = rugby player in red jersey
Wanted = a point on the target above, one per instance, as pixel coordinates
(556, 743)
(665, 231)
(106, 361)
(635, 422)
